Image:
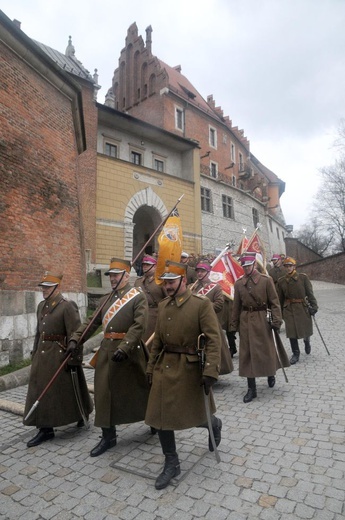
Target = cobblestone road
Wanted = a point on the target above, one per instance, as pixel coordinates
(282, 455)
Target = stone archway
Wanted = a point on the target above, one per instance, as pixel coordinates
(143, 214)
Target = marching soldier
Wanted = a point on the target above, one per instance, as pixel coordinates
(299, 304)
(277, 271)
(154, 293)
(214, 293)
(121, 388)
(57, 318)
(191, 274)
(176, 400)
(254, 296)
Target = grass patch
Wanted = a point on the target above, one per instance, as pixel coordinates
(8, 369)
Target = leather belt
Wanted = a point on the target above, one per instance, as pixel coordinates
(295, 300)
(179, 349)
(52, 337)
(252, 309)
(114, 335)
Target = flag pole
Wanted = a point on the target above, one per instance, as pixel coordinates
(156, 230)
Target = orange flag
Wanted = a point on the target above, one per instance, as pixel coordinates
(170, 244)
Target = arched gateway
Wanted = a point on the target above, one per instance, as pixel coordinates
(143, 214)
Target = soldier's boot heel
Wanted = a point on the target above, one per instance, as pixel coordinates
(171, 469)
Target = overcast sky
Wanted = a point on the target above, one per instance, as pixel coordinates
(276, 67)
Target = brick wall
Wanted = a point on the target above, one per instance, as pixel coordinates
(330, 269)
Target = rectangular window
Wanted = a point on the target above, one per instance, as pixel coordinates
(270, 223)
(240, 167)
(232, 152)
(277, 232)
(228, 207)
(233, 181)
(214, 170)
(206, 200)
(179, 118)
(213, 137)
(158, 165)
(110, 150)
(135, 157)
(255, 217)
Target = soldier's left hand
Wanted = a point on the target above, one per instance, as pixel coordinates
(119, 356)
(312, 311)
(71, 348)
(208, 382)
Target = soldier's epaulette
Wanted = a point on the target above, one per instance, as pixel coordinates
(202, 296)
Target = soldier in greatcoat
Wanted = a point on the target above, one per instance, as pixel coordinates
(154, 293)
(121, 388)
(176, 400)
(57, 318)
(299, 304)
(254, 296)
(214, 293)
(190, 271)
(277, 270)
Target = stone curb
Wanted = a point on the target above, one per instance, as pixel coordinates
(21, 376)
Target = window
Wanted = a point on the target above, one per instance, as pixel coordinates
(277, 232)
(255, 217)
(135, 157)
(158, 165)
(213, 137)
(179, 118)
(110, 150)
(232, 152)
(240, 157)
(206, 200)
(213, 170)
(233, 181)
(270, 223)
(228, 207)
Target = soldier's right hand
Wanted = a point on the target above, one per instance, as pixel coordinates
(149, 379)
(71, 348)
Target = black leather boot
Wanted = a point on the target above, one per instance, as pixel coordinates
(217, 432)
(172, 465)
(108, 440)
(271, 381)
(295, 350)
(44, 434)
(307, 346)
(251, 394)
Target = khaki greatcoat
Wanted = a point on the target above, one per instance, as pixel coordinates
(154, 294)
(121, 388)
(59, 317)
(214, 293)
(257, 354)
(176, 398)
(298, 322)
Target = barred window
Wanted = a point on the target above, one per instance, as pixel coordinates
(206, 200)
(228, 207)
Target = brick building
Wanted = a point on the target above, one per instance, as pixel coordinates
(43, 110)
(236, 189)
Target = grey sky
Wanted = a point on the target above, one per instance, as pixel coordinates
(276, 67)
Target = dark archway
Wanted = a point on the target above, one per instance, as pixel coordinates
(146, 219)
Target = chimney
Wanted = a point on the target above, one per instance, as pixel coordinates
(17, 23)
(149, 39)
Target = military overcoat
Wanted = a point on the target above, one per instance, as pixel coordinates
(57, 318)
(154, 294)
(298, 322)
(121, 388)
(257, 354)
(176, 398)
(214, 293)
(276, 273)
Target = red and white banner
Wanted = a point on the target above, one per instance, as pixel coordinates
(225, 271)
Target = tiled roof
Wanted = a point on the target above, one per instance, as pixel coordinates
(68, 63)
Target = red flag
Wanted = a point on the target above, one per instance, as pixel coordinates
(256, 246)
(243, 246)
(170, 244)
(225, 272)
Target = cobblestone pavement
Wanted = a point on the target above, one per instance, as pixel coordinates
(282, 455)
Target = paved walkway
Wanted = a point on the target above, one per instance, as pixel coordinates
(282, 456)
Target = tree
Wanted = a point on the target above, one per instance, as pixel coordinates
(311, 235)
(329, 209)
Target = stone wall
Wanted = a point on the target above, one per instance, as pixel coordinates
(330, 269)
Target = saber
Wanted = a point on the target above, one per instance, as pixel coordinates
(201, 354)
(277, 352)
(323, 341)
(78, 397)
